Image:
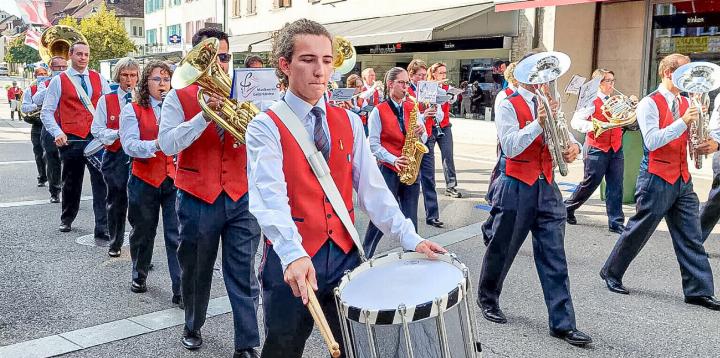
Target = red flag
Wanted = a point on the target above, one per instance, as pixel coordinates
(33, 12)
(32, 38)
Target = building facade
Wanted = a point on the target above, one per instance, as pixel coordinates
(170, 24)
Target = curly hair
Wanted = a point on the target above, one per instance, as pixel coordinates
(284, 42)
(433, 69)
(143, 96)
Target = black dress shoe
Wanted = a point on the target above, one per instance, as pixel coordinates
(492, 313)
(54, 199)
(571, 219)
(246, 353)
(102, 237)
(614, 285)
(114, 253)
(616, 229)
(177, 300)
(65, 228)
(138, 287)
(191, 340)
(706, 301)
(41, 184)
(435, 223)
(573, 336)
(453, 193)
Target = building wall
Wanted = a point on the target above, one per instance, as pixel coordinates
(137, 38)
(578, 43)
(201, 11)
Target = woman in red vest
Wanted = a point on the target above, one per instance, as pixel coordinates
(151, 187)
(438, 72)
(604, 158)
(665, 190)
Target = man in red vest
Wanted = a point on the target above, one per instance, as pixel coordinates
(67, 115)
(151, 185)
(307, 243)
(115, 162)
(665, 190)
(527, 200)
(14, 93)
(604, 158)
(212, 203)
(376, 95)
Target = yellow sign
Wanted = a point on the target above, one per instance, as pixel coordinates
(691, 44)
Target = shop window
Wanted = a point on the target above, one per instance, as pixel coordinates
(283, 3)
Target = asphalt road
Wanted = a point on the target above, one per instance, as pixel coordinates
(50, 285)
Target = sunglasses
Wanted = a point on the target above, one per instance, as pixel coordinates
(224, 57)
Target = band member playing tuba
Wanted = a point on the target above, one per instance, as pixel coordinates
(391, 126)
(604, 158)
(665, 190)
(115, 162)
(151, 186)
(311, 247)
(67, 113)
(212, 204)
(527, 199)
(31, 114)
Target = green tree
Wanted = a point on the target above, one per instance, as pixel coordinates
(18, 52)
(105, 34)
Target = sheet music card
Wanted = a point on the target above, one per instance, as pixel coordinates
(255, 84)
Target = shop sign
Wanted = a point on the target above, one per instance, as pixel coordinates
(686, 20)
(691, 44)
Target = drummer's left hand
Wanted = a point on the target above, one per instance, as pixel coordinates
(430, 249)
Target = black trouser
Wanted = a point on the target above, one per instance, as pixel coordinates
(116, 171)
(52, 159)
(73, 173)
(35, 132)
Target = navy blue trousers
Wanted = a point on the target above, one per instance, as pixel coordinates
(710, 212)
(145, 203)
(679, 205)
(407, 197)
(288, 322)
(35, 132)
(486, 227)
(446, 153)
(116, 171)
(52, 158)
(73, 172)
(201, 227)
(427, 182)
(519, 209)
(599, 164)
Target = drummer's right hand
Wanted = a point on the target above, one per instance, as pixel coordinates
(61, 140)
(430, 249)
(298, 274)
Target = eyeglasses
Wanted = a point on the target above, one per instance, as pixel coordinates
(158, 79)
(402, 83)
(224, 57)
(609, 81)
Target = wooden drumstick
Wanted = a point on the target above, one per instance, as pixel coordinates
(316, 311)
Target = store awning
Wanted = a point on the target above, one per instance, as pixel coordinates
(415, 27)
(245, 43)
(507, 5)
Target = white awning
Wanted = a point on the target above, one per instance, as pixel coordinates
(243, 43)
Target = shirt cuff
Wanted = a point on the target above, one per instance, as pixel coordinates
(288, 251)
(410, 240)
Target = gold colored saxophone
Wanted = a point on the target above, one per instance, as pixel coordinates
(413, 149)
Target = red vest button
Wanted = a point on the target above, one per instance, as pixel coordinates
(329, 216)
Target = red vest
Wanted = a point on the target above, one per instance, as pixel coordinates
(112, 107)
(151, 170)
(312, 212)
(535, 159)
(391, 137)
(33, 89)
(73, 117)
(609, 139)
(361, 104)
(446, 110)
(669, 161)
(210, 166)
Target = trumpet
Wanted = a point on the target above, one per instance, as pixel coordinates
(619, 111)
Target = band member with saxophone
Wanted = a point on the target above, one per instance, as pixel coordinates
(438, 72)
(151, 185)
(212, 204)
(115, 162)
(665, 190)
(31, 115)
(310, 247)
(604, 158)
(58, 64)
(527, 200)
(67, 113)
(417, 70)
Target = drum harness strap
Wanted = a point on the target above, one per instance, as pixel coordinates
(320, 169)
(82, 94)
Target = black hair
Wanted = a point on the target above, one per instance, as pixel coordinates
(208, 32)
(253, 58)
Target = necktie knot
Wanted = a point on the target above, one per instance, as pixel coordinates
(606, 98)
(128, 97)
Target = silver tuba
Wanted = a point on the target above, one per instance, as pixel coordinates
(541, 71)
(698, 79)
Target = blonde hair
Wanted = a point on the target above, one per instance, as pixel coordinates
(366, 72)
(601, 72)
(509, 73)
(415, 65)
(671, 63)
(392, 75)
(125, 63)
(433, 69)
(284, 42)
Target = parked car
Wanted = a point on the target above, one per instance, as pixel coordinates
(4, 71)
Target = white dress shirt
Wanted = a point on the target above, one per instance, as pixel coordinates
(27, 103)
(714, 125)
(375, 128)
(268, 189)
(99, 127)
(581, 120)
(176, 134)
(499, 97)
(648, 118)
(130, 132)
(39, 95)
(52, 98)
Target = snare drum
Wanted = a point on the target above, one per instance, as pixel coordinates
(94, 152)
(406, 305)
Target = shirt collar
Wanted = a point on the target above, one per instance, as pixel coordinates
(669, 97)
(120, 92)
(302, 108)
(526, 94)
(153, 102)
(73, 72)
(397, 104)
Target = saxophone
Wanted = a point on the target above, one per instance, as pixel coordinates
(413, 149)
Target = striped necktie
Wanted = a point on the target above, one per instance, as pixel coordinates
(675, 108)
(321, 140)
(83, 84)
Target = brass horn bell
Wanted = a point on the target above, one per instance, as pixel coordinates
(56, 41)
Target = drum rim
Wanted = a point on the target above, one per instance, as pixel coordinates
(415, 313)
(93, 151)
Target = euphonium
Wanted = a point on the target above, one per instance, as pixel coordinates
(619, 111)
(413, 149)
(200, 67)
(698, 79)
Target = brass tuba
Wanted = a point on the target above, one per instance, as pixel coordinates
(200, 67)
(619, 111)
(413, 149)
(344, 55)
(56, 41)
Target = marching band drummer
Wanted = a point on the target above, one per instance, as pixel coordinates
(604, 158)
(115, 162)
(665, 190)
(35, 131)
(67, 113)
(389, 123)
(151, 186)
(212, 202)
(310, 245)
(438, 72)
(526, 199)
